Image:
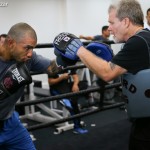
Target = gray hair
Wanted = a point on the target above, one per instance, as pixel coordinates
(20, 30)
(130, 9)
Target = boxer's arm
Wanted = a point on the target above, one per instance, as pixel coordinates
(75, 87)
(60, 78)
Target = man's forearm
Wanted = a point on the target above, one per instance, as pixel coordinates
(54, 68)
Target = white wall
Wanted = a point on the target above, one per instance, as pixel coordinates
(50, 17)
(87, 16)
(38, 13)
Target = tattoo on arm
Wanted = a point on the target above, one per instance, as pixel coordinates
(112, 66)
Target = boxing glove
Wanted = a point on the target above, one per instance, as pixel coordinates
(14, 77)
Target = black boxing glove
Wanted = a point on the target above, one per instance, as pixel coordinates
(15, 77)
(67, 45)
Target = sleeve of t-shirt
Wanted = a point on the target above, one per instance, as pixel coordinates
(39, 63)
(97, 37)
(133, 56)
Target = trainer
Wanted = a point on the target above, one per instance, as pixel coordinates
(133, 62)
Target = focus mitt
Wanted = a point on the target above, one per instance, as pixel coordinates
(57, 65)
(101, 50)
(67, 45)
(63, 61)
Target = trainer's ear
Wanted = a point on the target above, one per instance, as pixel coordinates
(126, 22)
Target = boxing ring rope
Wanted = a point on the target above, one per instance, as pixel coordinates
(52, 98)
(44, 125)
(57, 97)
(64, 69)
(50, 45)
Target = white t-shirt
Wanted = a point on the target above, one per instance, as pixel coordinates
(146, 25)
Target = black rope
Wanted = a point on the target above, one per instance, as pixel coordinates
(50, 45)
(82, 114)
(44, 45)
(63, 70)
(57, 97)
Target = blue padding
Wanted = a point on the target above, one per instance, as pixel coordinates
(101, 50)
(64, 101)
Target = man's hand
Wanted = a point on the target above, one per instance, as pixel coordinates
(65, 76)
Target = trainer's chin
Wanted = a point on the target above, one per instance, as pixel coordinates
(116, 40)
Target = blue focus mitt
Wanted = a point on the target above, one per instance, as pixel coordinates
(101, 50)
(67, 45)
(63, 61)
